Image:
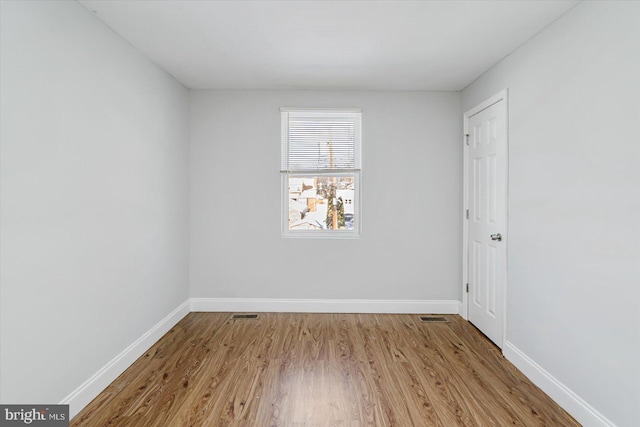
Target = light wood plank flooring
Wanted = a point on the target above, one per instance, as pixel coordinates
(322, 370)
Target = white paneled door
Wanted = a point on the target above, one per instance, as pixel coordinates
(486, 237)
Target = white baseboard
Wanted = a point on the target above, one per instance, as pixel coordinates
(84, 394)
(272, 305)
(584, 413)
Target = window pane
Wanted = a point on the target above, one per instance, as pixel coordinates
(322, 202)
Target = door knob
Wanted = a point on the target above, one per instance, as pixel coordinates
(497, 237)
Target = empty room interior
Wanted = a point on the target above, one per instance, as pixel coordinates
(310, 213)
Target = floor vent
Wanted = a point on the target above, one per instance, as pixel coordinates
(244, 316)
(433, 319)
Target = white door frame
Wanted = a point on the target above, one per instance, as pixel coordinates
(500, 96)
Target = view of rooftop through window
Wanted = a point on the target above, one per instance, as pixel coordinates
(321, 202)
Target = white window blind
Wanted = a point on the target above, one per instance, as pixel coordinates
(314, 141)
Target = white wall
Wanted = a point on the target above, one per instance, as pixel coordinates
(94, 212)
(411, 159)
(574, 227)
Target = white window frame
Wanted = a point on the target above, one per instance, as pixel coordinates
(355, 172)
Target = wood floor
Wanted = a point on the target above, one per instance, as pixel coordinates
(322, 370)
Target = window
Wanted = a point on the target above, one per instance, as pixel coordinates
(320, 168)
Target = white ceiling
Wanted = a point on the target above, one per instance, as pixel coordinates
(322, 44)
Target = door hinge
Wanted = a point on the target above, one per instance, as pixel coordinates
(467, 213)
(467, 288)
(466, 138)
